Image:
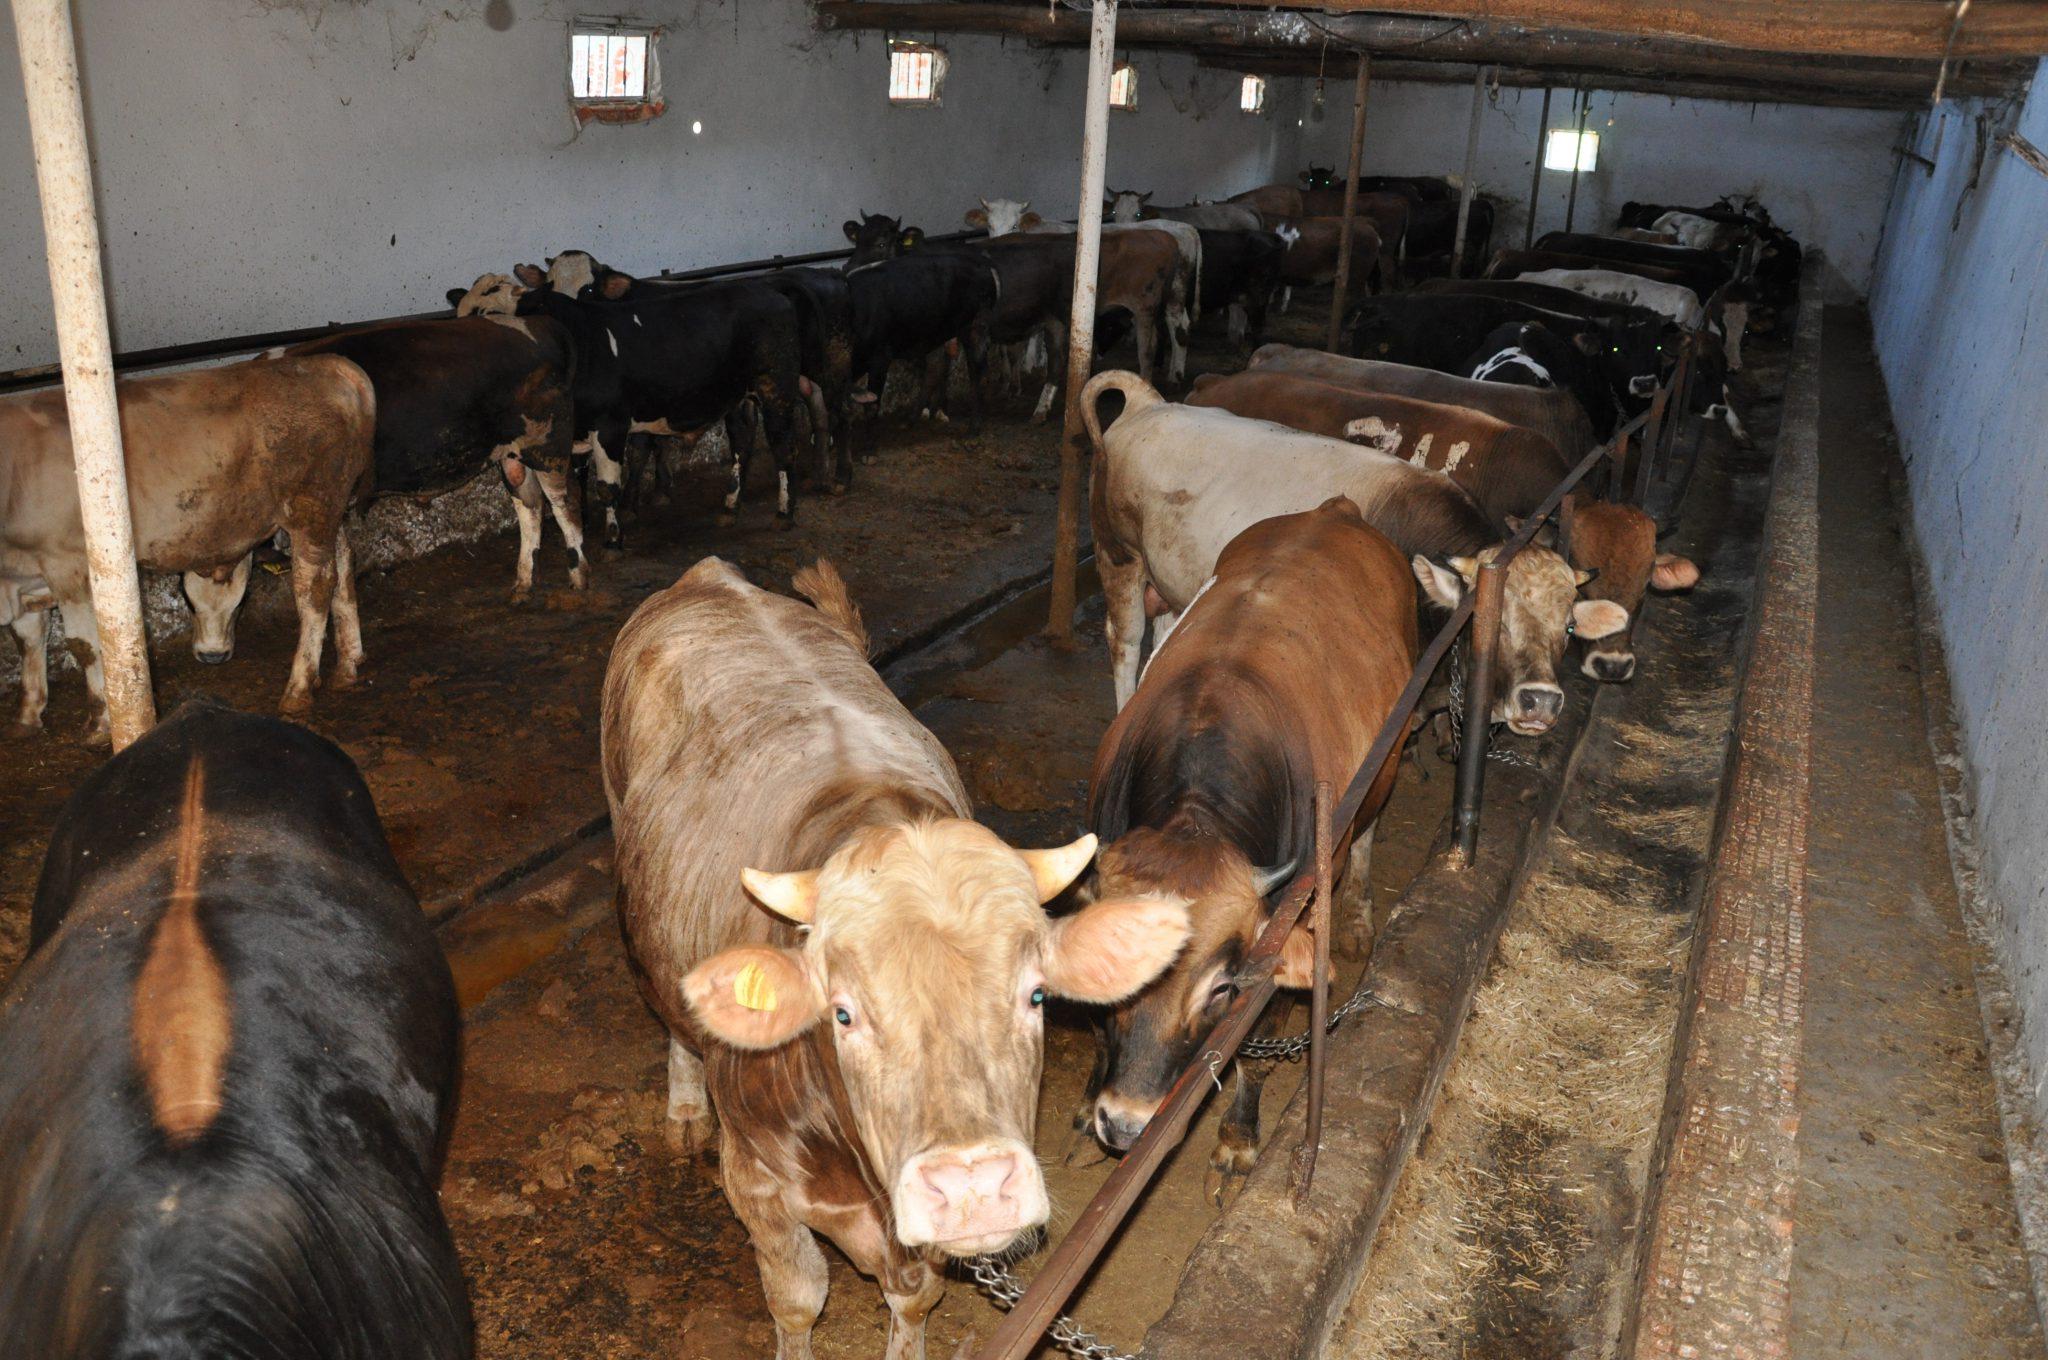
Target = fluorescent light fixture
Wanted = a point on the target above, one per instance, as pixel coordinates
(1559, 146)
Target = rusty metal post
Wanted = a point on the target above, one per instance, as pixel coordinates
(1340, 290)
(1571, 203)
(1536, 171)
(1319, 998)
(71, 234)
(1465, 188)
(1066, 544)
(1566, 508)
(1478, 710)
(1669, 408)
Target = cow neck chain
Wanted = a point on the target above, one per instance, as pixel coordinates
(1002, 1286)
(1456, 712)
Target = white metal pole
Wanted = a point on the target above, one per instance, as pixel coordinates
(1081, 327)
(1471, 156)
(71, 234)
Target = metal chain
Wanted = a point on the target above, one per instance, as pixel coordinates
(1292, 1048)
(1494, 750)
(1004, 1288)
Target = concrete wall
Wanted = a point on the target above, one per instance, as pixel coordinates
(1961, 311)
(291, 162)
(1823, 173)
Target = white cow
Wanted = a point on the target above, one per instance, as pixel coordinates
(1127, 205)
(1701, 233)
(1673, 300)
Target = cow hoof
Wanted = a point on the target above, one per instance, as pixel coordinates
(785, 521)
(725, 519)
(836, 489)
(21, 730)
(1229, 1164)
(345, 676)
(579, 576)
(688, 1133)
(296, 705)
(520, 594)
(99, 736)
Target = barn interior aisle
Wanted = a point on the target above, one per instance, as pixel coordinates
(1906, 1243)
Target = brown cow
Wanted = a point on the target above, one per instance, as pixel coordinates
(1311, 255)
(219, 460)
(1508, 470)
(1274, 203)
(1279, 675)
(852, 970)
(1550, 411)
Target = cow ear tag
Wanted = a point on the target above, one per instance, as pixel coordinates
(752, 989)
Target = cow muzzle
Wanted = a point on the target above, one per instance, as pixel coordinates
(1119, 1120)
(1534, 708)
(967, 1201)
(1610, 668)
(1642, 385)
(215, 656)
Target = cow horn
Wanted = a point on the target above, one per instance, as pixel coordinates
(1053, 870)
(1265, 880)
(793, 896)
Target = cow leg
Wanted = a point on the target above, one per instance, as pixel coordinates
(569, 519)
(908, 1311)
(974, 348)
(1351, 915)
(778, 422)
(524, 489)
(313, 593)
(73, 592)
(690, 1119)
(1236, 322)
(793, 1274)
(32, 631)
(1237, 1137)
(1055, 370)
(1286, 298)
(348, 623)
(1123, 587)
(739, 437)
(610, 476)
(1145, 325)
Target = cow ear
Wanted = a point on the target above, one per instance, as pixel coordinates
(793, 897)
(851, 228)
(1103, 953)
(456, 295)
(1589, 342)
(977, 217)
(1305, 177)
(615, 286)
(528, 274)
(1030, 221)
(1053, 870)
(1297, 966)
(752, 997)
(912, 236)
(1442, 586)
(1596, 619)
(1673, 572)
(1584, 577)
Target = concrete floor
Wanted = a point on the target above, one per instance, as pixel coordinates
(1906, 1241)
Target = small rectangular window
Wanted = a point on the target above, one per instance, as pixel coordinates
(1251, 96)
(916, 71)
(614, 72)
(1123, 87)
(1565, 145)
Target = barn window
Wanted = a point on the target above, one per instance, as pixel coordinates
(1251, 96)
(1565, 146)
(1123, 87)
(916, 71)
(614, 72)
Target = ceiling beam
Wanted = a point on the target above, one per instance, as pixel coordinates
(1650, 63)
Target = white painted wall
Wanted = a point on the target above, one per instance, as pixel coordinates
(1823, 173)
(265, 164)
(1961, 313)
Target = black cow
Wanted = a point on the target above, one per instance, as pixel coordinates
(878, 237)
(1240, 271)
(1433, 229)
(228, 1068)
(1529, 354)
(1441, 330)
(1700, 270)
(454, 396)
(676, 361)
(923, 307)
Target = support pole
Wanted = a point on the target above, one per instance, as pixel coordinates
(56, 118)
(1478, 711)
(1571, 203)
(1471, 156)
(1536, 174)
(1341, 290)
(1066, 546)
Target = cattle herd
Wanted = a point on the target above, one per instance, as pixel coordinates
(228, 1066)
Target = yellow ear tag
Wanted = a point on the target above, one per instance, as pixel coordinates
(752, 989)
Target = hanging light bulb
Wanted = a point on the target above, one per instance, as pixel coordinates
(1315, 108)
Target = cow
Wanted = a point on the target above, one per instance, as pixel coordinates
(1702, 271)
(1508, 472)
(670, 362)
(1551, 412)
(1240, 272)
(1313, 249)
(1203, 789)
(1672, 300)
(1128, 205)
(924, 307)
(852, 971)
(1648, 237)
(457, 396)
(24, 611)
(1272, 202)
(1509, 264)
(218, 461)
(227, 1068)
(1441, 331)
(1173, 484)
(1433, 229)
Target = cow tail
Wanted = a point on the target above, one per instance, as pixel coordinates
(1138, 395)
(823, 586)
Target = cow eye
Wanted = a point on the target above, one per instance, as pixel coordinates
(843, 1016)
(1038, 995)
(1222, 991)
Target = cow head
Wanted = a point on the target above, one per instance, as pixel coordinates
(877, 238)
(215, 596)
(1151, 1038)
(1540, 613)
(1127, 205)
(1319, 177)
(1618, 543)
(1003, 216)
(491, 295)
(923, 973)
(1630, 353)
(572, 271)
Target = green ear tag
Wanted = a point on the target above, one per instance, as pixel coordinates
(752, 989)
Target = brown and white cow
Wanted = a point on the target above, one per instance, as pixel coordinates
(1313, 247)
(25, 611)
(1550, 411)
(1509, 471)
(219, 460)
(1279, 675)
(1173, 484)
(851, 970)
(1128, 205)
